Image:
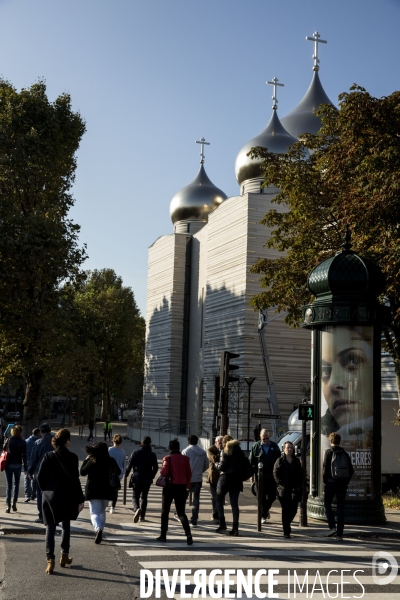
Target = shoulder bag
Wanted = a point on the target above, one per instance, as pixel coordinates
(165, 481)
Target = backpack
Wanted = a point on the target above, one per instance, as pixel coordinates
(340, 465)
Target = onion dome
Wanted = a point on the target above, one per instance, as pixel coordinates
(302, 119)
(346, 275)
(274, 138)
(195, 201)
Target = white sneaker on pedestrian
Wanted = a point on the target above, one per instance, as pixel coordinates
(111, 510)
(263, 521)
(137, 514)
(176, 517)
(331, 532)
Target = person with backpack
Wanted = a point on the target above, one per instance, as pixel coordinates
(288, 474)
(337, 471)
(40, 448)
(144, 464)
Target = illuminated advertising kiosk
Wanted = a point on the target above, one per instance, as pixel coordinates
(346, 320)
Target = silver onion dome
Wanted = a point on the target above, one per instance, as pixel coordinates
(196, 200)
(302, 119)
(274, 137)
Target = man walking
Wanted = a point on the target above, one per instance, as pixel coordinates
(144, 464)
(91, 427)
(198, 465)
(40, 448)
(214, 454)
(30, 484)
(107, 427)
(337, 471)
(266, 452)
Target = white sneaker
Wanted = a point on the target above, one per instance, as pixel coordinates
(111, 510)
(263, 521)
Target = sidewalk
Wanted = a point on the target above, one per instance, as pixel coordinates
(22, 521)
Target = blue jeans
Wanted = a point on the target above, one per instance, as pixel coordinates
(12, 471)
(98, 513)
(30, 486)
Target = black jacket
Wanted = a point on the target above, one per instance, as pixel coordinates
(257, 455)
(143, 461)
(289, 477)
(231, 468)
(16, 452)
(98, 485)
(58, 478)
(326, 468)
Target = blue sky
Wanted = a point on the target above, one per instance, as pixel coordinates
(152, 76)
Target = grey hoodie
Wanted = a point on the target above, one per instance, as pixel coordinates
(198, 462)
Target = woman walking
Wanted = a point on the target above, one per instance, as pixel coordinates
(230, 481)
(97, 466)
(16, 448)
(118, 454)
(288, 474)
(62, 497)
(177, 468)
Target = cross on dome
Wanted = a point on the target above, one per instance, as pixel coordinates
(316, 39)
(203, 143)
(275, 83)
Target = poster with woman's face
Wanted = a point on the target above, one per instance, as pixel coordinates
(346, 367)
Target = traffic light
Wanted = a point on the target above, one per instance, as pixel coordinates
(225, 367)
(306, 412)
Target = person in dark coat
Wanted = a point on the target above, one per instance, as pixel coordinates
(91, 427)
(266, 452)
(144, 464)
(40, 448)
(230, 481)
(288, 474)
(335, 487)
(62, 496)
(31, 485)
(213, 474)
(98, 465)
(16, 447)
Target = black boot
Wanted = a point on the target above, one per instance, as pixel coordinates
(235, 529)
(222, 526)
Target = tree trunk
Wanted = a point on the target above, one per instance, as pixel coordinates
(78, 409)
(32, 403)
(92, 407)
(86, 410)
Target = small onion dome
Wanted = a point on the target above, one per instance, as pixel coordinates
(274, 137)
(196, 200)
(302, 119)
(346, 274)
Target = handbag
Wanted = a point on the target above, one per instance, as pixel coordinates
(165, 481)
(114, 479)
(3, 460)
(246, 470)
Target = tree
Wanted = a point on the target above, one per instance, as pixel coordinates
(38, 242)
(349, 173)
(112, 324)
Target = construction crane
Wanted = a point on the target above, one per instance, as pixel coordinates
(263, 320)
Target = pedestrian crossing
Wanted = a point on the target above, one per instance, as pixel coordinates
(255, 551)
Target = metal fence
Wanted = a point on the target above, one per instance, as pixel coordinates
(161, 433)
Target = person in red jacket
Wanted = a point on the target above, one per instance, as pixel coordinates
(177, 468)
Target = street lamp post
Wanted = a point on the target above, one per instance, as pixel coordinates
(249, 381)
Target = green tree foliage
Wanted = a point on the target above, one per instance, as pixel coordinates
(112, 326)
(38, 242)
(351, 175)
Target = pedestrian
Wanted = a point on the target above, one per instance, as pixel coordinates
(143, 463)
(91, 427)
(40, 448)
(107, 427)
(266, 452)
(98, 466)
(58, 479)
(213, 454)
(176, 467)
(30, 484)
(16, 448)
(119, 456)
(337, 471)
(198, 465)
(288, 474)
(230, 481)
